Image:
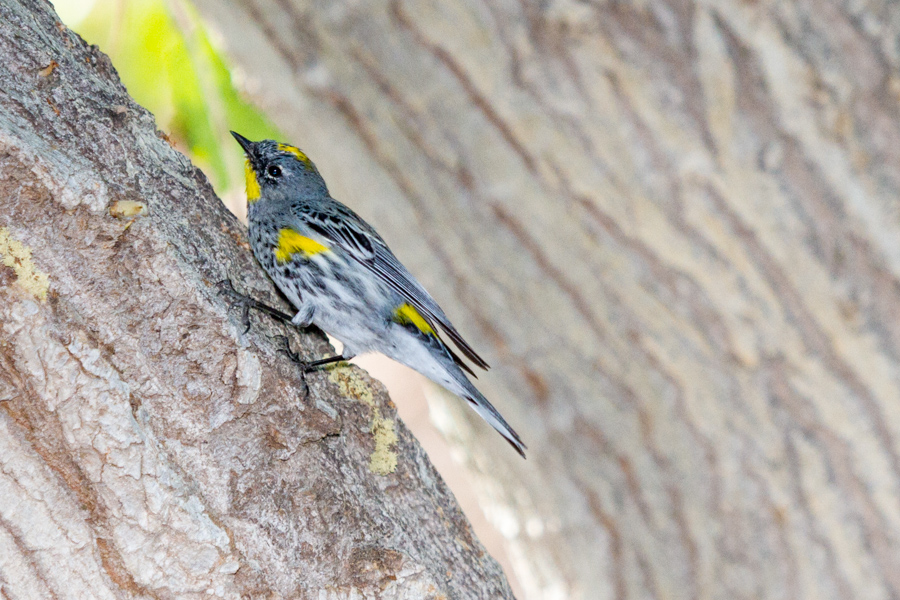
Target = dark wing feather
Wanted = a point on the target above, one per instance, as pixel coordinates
(345, 229)
(395, 275)
(332, 227)
(459, 362)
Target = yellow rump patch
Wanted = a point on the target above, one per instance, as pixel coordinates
(290, 243)
(406, 314)
(298, 154)
(252, 184)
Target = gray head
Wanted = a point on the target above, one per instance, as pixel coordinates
(276, 171)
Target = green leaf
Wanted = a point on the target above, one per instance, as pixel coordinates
(165, 59)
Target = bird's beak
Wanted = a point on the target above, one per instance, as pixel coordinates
(246, 144)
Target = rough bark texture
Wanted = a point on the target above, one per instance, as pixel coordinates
(147, 447)
(673, 227)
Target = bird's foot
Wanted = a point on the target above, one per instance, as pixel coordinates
(294, 358)
(226, 288)
(307, 366)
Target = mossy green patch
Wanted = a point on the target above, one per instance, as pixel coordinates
(383, 459)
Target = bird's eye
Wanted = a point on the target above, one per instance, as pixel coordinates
(274, 171)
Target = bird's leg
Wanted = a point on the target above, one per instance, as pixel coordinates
(226, 288)
(307, 366)
(324, 361)
(295, 358)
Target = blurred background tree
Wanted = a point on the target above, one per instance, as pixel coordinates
(673, 226)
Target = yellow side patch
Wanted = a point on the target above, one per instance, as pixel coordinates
(252, 184)
(290, 243)
(298, 154)
(16, 255)
(406, 314)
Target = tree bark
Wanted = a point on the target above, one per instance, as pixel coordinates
(148, 448)
(672, 225)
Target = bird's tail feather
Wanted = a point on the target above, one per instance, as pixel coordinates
(490, 414)
(430, 357)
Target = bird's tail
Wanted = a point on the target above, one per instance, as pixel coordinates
(490, 414)
(430, 357)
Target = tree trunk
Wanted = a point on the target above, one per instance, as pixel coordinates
(672, 226)
(148, 448)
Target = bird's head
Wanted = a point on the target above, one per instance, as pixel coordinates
(278, 171)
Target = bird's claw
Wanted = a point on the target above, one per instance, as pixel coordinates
(295, 358)
(286, 349)
(226, 288)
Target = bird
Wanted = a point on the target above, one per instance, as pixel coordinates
(340, 276)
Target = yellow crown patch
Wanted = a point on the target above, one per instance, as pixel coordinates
(298, 154)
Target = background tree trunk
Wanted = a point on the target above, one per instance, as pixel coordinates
(673, 226)
(147, 447)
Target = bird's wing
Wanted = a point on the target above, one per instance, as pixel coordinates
(344, 228)
(395, 274)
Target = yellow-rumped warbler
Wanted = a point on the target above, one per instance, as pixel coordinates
(341, 276)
